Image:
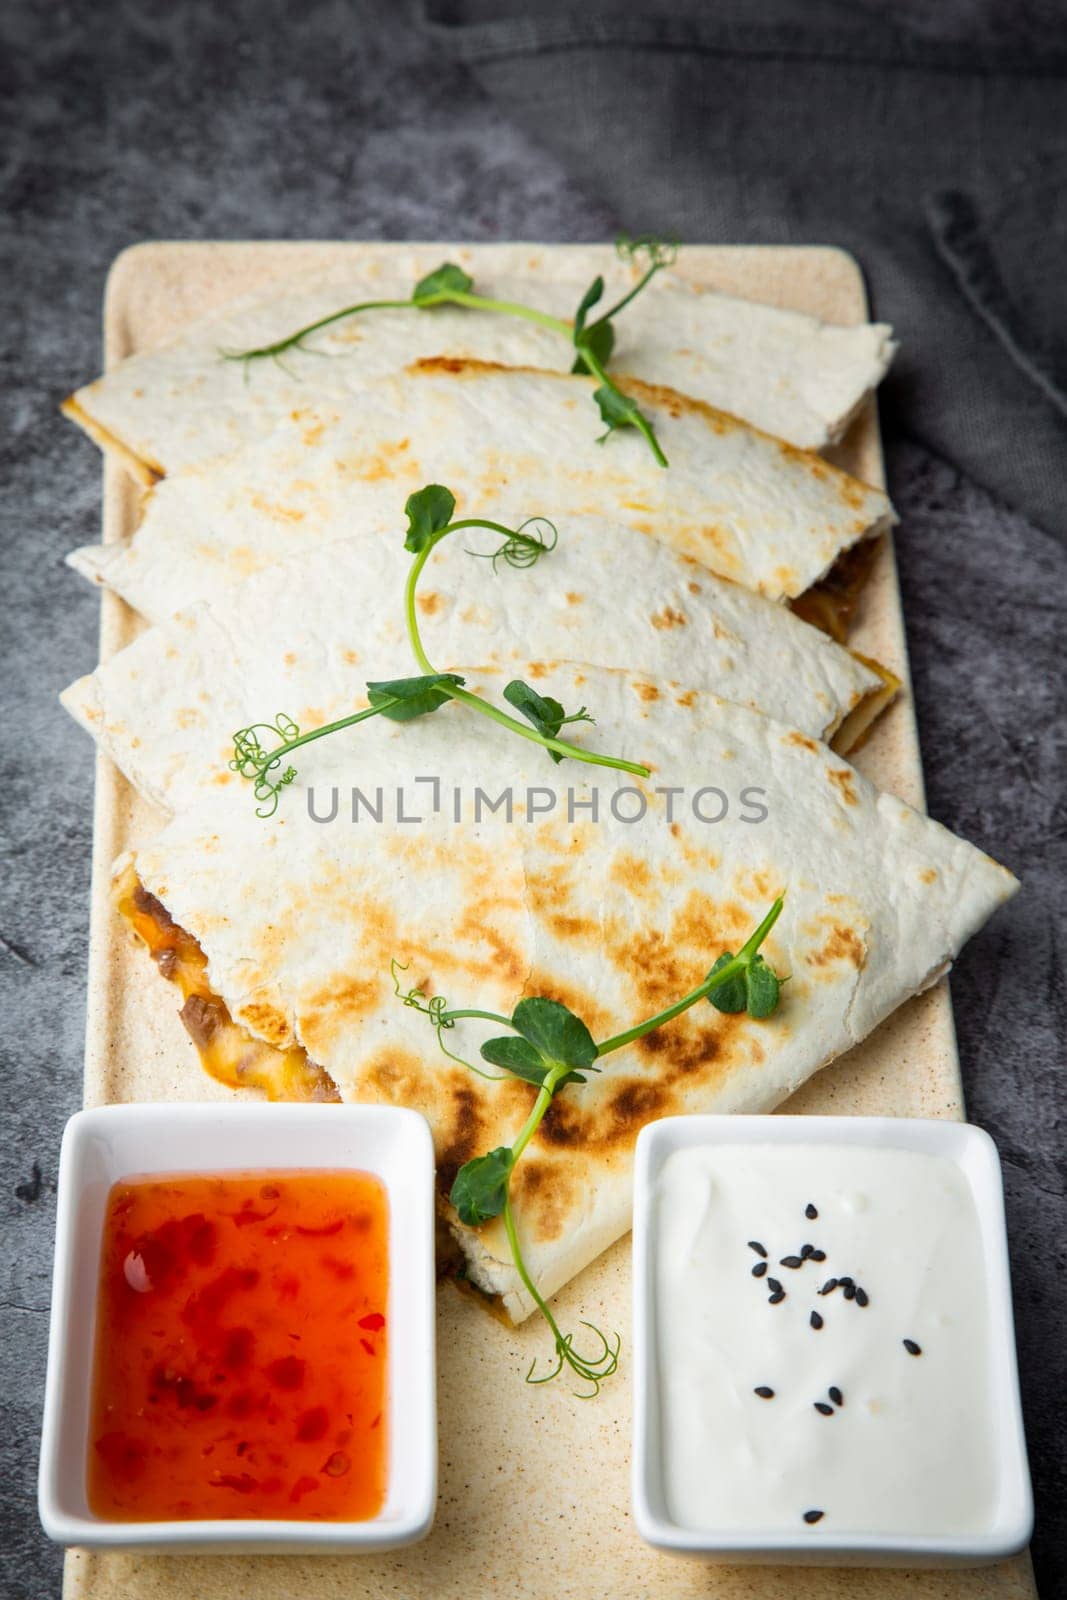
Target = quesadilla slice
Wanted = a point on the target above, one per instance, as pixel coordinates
(609, 894)
(182, 404)
(309, 632)
(746, 506)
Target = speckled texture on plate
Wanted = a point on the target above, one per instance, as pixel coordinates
(502, 1525)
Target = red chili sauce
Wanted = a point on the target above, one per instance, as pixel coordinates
(241, 1348)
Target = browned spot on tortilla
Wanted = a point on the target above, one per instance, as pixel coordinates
(538, 669)
(348, 996)
(646, 691)
(548, 898)
(842, 778)
(632, 874)
(801, 739)
(270, 1023)
(694, 587)
(842, 944)
(351, 657)
(430, 604)
(676, 829)
(686, 698)
(544, 1192)
(669, 617)
(276, 513)
(574, 599)
(460, 1136)
(929, 875)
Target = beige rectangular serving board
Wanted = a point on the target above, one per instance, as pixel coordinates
(534, 1493)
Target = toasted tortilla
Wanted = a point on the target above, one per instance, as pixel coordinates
(300, 920)
(510, 443)
(306, 635)
(181, 404)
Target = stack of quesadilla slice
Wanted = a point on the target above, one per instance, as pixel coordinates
(308, 633)
(274, 537)
(509, 443)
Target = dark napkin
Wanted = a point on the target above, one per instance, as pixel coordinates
(928, 139)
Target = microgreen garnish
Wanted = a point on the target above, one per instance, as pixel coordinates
(593, 341)
(550, 1047)
(430, 519)
(546, 714)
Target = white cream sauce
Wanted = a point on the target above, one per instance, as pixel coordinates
(912, 1448)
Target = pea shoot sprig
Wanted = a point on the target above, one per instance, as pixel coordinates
(550, 1047)
(430, 520)
(593, 340)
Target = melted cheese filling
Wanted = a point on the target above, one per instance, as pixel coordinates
(831, 603)
(228, 1051)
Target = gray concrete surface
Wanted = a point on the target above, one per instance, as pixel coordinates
(126, 122)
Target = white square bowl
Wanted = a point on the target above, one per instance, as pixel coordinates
(103, 1145)
(976, 1156)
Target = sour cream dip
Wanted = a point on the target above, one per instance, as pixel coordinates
(823, 1341)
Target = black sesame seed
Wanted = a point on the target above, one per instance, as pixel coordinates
(818, 1255)
(754, 1244)
(862, 1297)
(777, 1297)
(816, 1320)
(764, 1392)
(847, 1283)
(810, 1212)
(791, 1261)
(759, 1269)
(836, 1396)
(849, 1290)
(829, 1286)
(806, 1251)
(775, 1286)
(814, 1516)
(912, 1348)
(823, 1409)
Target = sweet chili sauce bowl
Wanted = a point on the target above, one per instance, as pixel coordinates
(107, 1144)
(1008, 1525)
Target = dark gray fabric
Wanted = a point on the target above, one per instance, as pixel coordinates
(929, 141)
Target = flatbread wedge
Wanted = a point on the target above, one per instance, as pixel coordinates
(748, 507)
(308, 633)
(309, 927)
(182, 404)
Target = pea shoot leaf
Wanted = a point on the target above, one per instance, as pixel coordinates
(616, 409)
(555, 1031)
(445, 279)
(415, 697)
(755, 989)
(588, 301)
(428, 511)
(600, 341)
(730, 996)
(763, 988)
(523, 1060)
(545, 713)
(481, 1186)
